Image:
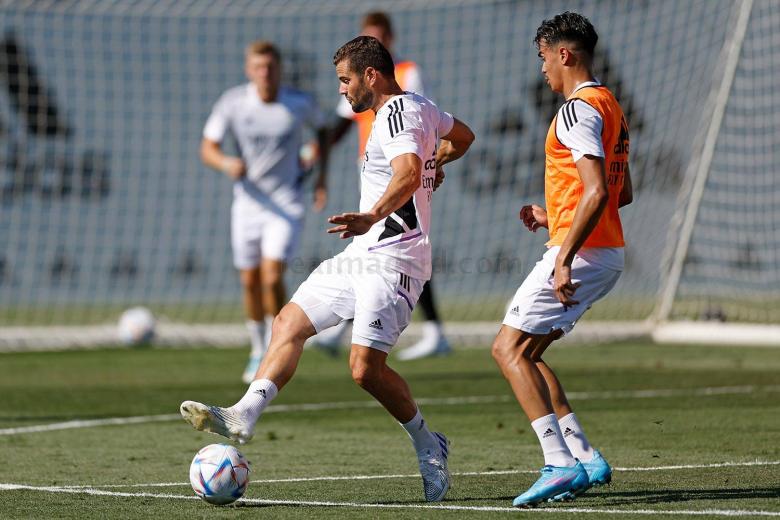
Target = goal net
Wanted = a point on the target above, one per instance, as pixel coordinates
(105, 203)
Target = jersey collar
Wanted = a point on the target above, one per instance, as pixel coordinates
(592, 83)
(254, 95)
(405, 93)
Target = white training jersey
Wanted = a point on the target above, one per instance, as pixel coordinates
(407, 123)
(269, 138)
(578, 127)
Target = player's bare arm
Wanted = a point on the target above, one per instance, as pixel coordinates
(321, 184)
(533, 217)
(627, 193)
(212, 156)
(589, 210)
(452, 147)
(407, 177)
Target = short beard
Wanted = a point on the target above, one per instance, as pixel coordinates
(365, 102)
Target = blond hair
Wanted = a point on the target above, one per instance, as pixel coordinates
(263, 47)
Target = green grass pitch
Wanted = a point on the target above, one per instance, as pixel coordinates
(704, 406)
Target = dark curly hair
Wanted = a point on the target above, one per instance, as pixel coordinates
(568, 27)
(363, 52)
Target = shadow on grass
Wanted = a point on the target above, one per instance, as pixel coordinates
(660, 496)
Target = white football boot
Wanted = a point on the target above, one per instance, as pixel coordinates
(433, 468)
(220, 421)
(432, 343)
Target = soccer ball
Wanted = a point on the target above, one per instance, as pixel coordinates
(136, 326)
(219, 474)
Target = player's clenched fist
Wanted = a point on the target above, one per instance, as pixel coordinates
(233, 167)
(533, 217)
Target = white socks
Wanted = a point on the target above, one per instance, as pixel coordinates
(259, 394)
(423, 440)
(556, 453)
(257, 332)
(575, 438)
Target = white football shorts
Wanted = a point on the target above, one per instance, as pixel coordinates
(258, 232)
(379, 300)
(535, 309)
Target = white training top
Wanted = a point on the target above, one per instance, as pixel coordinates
(269, 138)
(578, 127)
(410, 82)
(407, 123)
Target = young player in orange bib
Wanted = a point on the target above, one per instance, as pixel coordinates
(586, 181)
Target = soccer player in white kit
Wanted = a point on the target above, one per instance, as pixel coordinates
(407, 74)
(266, 119)
(377, 279)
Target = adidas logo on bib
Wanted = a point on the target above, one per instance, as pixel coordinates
(376, 324)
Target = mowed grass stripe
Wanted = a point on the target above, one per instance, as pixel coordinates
(425, 401)
(448, 507)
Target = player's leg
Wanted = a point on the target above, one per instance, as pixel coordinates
(572, 432)
(562, 473)
(512, 350)
(291, 329)
(370, 371)
(532, 315)
(281, 233)
(312, 308)
(245, 239)
(383, 309)
(596, 282)
(433, 342)
(272, 277)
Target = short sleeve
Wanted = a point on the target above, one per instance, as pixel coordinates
(446, 122)
(399, 131)
(344, 109)
(578, 127)
(219, 120)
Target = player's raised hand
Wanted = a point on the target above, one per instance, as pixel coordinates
(351, 224)
(233, 167)
(533, 217)
(563, 286)
(439, 178)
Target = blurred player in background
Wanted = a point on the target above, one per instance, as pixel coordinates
(407, 74)
(586, 181)
(266, 120)
(378, 278)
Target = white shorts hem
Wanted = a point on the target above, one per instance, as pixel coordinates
(371, 343)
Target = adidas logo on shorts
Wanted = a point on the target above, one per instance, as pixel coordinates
(376, 324)
(515, 311)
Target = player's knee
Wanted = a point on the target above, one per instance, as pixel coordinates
(364, 374)
(501, 351)
(506, 352)
(250, 280)
(286, 328)
(271, 280)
